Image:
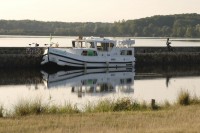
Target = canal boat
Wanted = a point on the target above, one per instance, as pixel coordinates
(93, 52)
(92, 81)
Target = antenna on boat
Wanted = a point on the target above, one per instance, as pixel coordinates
(51, 38)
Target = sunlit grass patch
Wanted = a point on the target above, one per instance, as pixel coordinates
(28, 107)
(105, 105)
(111, 105)
(36, 107)
(67, 108)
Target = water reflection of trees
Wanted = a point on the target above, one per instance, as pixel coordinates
(167, 72)
(20, 77)
(170, 70)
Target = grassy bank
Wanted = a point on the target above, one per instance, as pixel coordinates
(177, 119)
(122, 115)
(36, 107)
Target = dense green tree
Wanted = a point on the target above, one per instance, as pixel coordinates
(180, 25)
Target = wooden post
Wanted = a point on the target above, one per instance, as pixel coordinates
(153, 103)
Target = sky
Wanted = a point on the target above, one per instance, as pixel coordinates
(93, 10)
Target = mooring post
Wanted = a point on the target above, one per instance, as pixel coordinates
(153, 103)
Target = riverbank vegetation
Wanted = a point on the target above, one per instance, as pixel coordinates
(123, 115)
(36, 107)
(179, 25)
(178, 119)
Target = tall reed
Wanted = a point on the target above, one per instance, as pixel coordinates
(1, 111)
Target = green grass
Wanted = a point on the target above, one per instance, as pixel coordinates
(67, 109)
(29, 107)
(122, 104)
(36, 107)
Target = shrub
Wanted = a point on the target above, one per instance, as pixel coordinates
(124, 104)
(184, 98)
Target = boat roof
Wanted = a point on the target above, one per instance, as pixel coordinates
(97, 39)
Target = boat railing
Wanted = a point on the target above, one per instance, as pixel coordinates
(125, 43)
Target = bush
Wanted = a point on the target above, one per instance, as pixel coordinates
(124, 104)
(184, 98)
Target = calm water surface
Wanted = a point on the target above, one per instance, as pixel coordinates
(81, 86)
(23, 41)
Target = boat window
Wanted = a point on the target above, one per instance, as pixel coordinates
(99, 46)
(104, 46)
(89, 53)
(122, 52)
(90, 45)
(126, 81)
(129, 52)
(78, 44)
(89, 82)
(126, 52)
(84, 53)
(129, 80)
(111, 45)
(122, 81)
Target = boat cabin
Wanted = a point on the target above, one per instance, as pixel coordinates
(101, 44)
(92, 46)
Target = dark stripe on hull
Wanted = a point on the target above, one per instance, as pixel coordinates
(85, 61)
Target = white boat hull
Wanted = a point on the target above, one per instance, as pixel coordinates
(72, 60)
(93, 53)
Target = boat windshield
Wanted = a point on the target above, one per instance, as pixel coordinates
(78, 44)
(82, 44)
(104, 46)
(90, 45)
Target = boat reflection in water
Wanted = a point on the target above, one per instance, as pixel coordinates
(92, 81)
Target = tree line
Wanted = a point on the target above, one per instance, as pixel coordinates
(179, 25)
